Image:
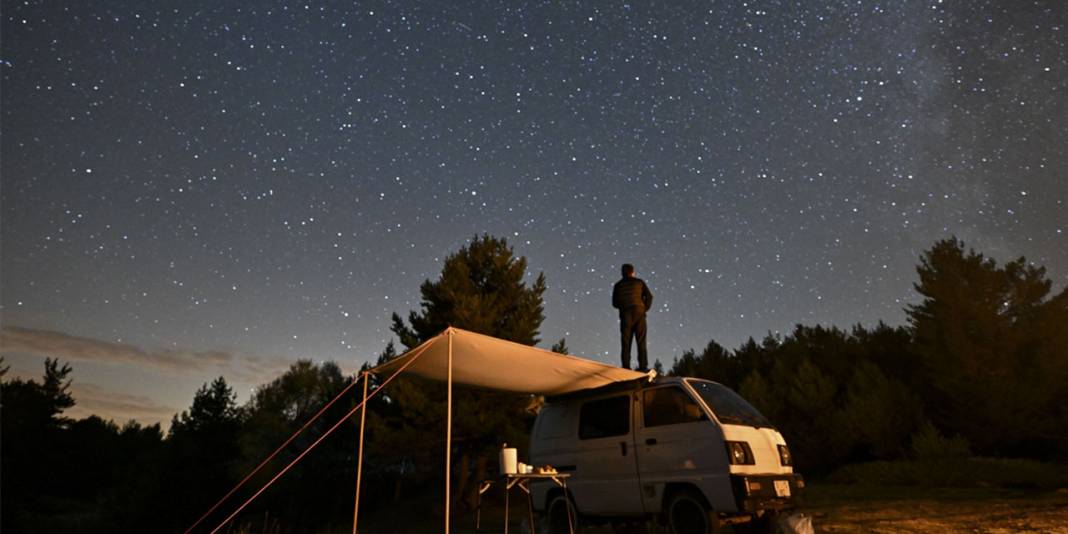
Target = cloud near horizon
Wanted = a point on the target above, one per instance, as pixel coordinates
(49, 343)
(92, 399)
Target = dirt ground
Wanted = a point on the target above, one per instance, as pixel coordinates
(833, 508)
(853, 509)
(897, 510)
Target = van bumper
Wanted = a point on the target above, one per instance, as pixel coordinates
(754, 493)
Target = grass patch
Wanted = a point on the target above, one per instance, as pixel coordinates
(852, 509)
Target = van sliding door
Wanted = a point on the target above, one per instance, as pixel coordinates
(605, 480)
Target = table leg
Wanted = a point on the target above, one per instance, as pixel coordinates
(507, 490)
(483, 487)
(570, 516)
(530, 509)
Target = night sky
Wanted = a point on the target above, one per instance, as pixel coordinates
(192, 189)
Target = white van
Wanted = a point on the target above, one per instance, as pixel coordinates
(688, 452)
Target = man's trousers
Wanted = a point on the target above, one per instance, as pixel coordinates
(632, 326)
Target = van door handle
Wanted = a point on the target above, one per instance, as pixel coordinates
(623, 447)
(650, 441)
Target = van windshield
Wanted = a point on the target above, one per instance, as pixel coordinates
(729, 407)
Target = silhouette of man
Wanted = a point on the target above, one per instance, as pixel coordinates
(633, 298)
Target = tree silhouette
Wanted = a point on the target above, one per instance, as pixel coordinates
(321, 485)
(214, 410)
(481, 289)
(32, 425)
(560, 347)
(714, 363)
(203, 452)
(991, 354)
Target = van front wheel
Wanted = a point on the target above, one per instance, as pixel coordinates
(687, 513)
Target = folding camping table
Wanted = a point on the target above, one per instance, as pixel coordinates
(523, 482)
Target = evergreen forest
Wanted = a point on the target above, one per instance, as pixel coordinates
(975, 383)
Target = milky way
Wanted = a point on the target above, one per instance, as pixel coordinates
(273, 180)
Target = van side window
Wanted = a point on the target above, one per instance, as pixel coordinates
(553, 422)
(605, 417)
(669, 406)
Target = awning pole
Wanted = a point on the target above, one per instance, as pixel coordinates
(448, 440)
(359, 453)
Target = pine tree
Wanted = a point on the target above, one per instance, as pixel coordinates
(31, 451)
(714, 363)
(989, 350)
(203, 452)
(560, 347)
(481, 289)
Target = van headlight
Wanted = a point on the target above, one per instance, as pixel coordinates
(785, 458)
(739, 453)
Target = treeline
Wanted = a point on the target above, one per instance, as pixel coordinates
(87, 476)
(981, 368)
(91, 475)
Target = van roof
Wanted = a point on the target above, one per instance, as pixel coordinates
(626, 385)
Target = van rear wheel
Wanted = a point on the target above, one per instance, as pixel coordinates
(687, 513)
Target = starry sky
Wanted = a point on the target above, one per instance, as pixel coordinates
(192, 189)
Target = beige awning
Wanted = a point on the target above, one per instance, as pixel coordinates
(488, 362)
(476, 360)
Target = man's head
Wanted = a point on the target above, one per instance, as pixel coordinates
(628, 270)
